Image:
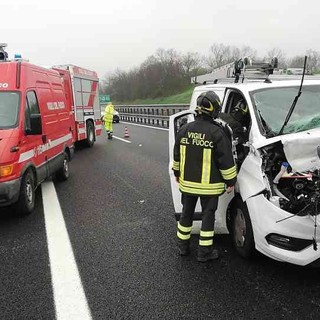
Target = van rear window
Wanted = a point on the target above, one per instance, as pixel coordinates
(9, 106)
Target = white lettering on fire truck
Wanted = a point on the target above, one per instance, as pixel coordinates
(55, 105)
(41, 148)
(4, 85)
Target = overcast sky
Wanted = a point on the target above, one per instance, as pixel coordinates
(104, 35)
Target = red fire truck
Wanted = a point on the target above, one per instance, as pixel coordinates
(43, 113)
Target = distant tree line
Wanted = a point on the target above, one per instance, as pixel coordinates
(168, 72)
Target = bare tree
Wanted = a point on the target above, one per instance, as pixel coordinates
(219, 55)
(245, 51)
(313, 60)
(172, 70)
(276, 52)
(168, 72)
(192, 63)
(296, 62)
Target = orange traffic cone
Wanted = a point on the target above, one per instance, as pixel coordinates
(126, 132)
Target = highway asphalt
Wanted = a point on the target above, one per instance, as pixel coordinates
(119, 217)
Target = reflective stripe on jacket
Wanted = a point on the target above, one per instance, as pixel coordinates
(203, 158)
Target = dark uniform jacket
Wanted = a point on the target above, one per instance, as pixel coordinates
(203, 158)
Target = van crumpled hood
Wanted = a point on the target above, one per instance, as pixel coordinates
(301, 149)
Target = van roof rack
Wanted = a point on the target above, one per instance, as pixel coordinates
(253, 70)
(273, 77)
(244, 68)
(232, 80)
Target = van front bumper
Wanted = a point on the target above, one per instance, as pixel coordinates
(9, 192)
(271, 231)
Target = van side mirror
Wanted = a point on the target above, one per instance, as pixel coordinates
(35, 125)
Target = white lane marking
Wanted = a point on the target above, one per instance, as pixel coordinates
(142, 125)
(69, 297)
(127, 141)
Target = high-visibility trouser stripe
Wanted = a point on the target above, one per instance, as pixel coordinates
(229, 174)
(176, 165)
(182, 160)
(184, 229)
(183, 233)
(206, 166)
(206, 234)
(206, 238)
(183, 236)
(205, 242)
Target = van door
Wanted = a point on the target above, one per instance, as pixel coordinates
(175, 122)
(33, 143)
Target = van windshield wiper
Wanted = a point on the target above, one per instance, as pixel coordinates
(269, 133)
(295, 99)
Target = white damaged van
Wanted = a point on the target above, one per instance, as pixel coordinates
(276, 204)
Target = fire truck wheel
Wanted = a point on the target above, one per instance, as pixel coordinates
(242, 234)
(90, 135)
(25, 204)
(63, 173)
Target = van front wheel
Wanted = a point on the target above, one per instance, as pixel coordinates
(26, 200)
(63, 173)
(242, 233)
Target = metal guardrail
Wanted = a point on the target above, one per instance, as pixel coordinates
(154, 115)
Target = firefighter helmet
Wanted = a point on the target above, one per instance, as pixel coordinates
(242, 107)
(209, 103)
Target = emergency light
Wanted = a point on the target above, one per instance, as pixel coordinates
(17, 57)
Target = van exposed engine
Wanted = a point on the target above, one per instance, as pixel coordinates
(298, 192)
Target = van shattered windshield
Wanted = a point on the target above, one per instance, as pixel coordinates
(273, 105)
(9, 105)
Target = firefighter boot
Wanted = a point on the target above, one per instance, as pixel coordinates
(207, 253)
(184, 247)
(109, 135)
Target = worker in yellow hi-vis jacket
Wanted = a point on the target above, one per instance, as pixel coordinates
(204, 167)
(108, 119)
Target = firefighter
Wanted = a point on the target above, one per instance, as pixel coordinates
(204, 168)
(238, 120)
(108, 119)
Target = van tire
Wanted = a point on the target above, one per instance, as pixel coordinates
(26, 202)
(90, 135)
(64, 172)
(241, 227)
